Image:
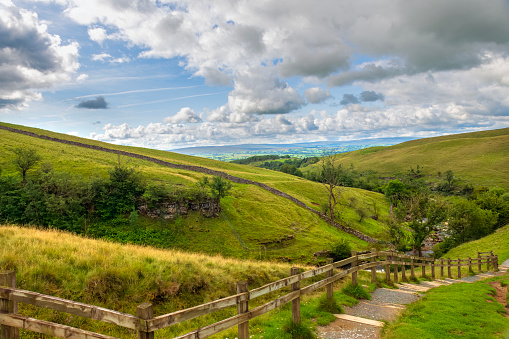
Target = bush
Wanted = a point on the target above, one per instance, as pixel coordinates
(298, 331)
(341, 250)
(356, 291)
(331, 306)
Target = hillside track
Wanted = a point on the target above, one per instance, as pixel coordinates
(200, 169)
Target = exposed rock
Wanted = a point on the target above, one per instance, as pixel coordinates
(209, 209)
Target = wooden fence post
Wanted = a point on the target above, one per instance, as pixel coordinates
(433, 270)
(243, 307)
(328, 274)
(295, 302)
(373, 269)
(459, 268)
(403, 271)
(387, 269)
(495, 262)
(145, 312)
(441, 267)
(412, 269)
(449, 275)
(354, 263)
(423, 262)
(395, 269)
(479, 268)
(469, 264)
(488, 259)
(8, 279)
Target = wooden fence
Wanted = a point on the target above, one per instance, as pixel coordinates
(146, 324)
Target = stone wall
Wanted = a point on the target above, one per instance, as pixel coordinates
(201, 170)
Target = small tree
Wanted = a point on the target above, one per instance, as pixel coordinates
(425, 214)
(330, 178)
(25, 159)
(219, 188)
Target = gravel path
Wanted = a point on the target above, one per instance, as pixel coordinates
(386, 305)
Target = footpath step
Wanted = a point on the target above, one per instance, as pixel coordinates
(360, 320)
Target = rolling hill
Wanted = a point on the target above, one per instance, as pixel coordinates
(255, 222)
(478, 158)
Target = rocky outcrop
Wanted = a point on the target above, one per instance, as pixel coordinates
(170, 210)
(200, 169)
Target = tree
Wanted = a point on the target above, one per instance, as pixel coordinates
(330, 178)
(219, 188)
(395, 191)
(25, 159)
(425, 213)
(121, 193)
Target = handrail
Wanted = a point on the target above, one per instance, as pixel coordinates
(146, 324)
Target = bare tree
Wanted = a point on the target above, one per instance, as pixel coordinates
(330, 178)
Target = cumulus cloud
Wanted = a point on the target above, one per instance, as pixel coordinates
(97, 103)
(268, 43)
(316, 95)
(31, 59)
(185, 115)
(97, 34)
(255, 93)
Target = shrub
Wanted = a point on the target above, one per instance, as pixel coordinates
(356, 291)
(331, 306)
(341, 250)
(298, 331)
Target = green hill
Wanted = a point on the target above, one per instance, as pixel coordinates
(496, 242)
(255, 223)
(479, 158)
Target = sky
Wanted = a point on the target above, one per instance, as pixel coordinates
(170, 74)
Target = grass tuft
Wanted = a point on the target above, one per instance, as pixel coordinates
(356, 291)
(331, 306)
(298, 331)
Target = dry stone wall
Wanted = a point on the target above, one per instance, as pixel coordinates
(200, 169)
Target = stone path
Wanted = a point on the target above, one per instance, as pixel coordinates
(366, 319)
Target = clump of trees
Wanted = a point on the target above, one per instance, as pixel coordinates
(73, 203)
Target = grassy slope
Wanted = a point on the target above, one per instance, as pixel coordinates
(120, 277)
(255, 214)
(455, 311)
(481, 158)
(497, 242)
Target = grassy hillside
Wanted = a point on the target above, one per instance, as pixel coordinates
(480, 158)
(497, 242)
(254, 223)
(120, 277)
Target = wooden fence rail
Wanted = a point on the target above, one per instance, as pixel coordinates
(146, 324)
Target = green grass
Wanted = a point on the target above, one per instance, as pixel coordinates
(480, 158)
(454, 311)
(496, 242)
(120, 277)
(261, 220)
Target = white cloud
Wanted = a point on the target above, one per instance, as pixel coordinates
(31, 59)
(82, 77)
(97, 34)
(101, 57)
(185, 115)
